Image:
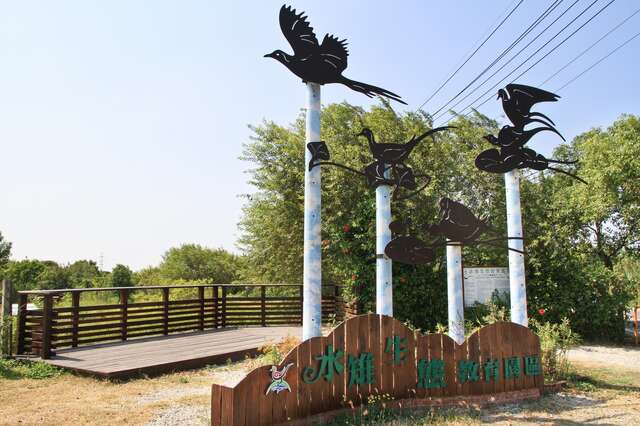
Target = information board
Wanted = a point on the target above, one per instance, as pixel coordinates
(480, 283)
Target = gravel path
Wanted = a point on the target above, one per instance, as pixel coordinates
(627, 357)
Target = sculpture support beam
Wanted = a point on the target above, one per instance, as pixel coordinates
(517, 284)
(384, 267)
(454, 293)
(312, 269)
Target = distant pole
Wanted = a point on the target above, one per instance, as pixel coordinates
(384, 267)
(517, 284)
(312, 272)
(454, 293)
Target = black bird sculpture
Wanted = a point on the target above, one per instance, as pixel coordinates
(457, 223)
(318, 63)
(395, 153)
(517, 101)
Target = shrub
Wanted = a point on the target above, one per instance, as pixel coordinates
(555, 340)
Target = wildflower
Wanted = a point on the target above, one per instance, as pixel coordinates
(541, 311)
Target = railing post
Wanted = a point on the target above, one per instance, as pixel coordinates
(337, 304)
(6, 299)
(215, 306)
(6, 340)
(124, 307)
(263, 305)
(301, 297)
(47, 313)
(165, 303)
(635, 323)
(22, 320)
(75, 318)
(224, 307)
(201, 299)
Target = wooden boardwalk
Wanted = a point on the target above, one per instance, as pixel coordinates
(169, 353)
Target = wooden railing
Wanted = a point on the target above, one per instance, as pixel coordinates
(62, 321)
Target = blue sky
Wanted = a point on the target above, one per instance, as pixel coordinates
(122, 121)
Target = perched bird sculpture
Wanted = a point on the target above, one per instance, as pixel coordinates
(278, 383)
(517, 101)
(320, 63)
(395, 153)
(457, 223)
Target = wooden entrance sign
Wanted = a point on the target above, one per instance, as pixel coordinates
(378, 355)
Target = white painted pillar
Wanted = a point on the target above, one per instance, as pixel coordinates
(454, 293)
(517, 284)
(384, 267)
(312, 272)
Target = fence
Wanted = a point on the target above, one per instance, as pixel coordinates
(62, 321)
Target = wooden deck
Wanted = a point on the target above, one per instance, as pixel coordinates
(169, 353)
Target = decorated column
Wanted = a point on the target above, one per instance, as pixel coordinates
(517, 284)
(384, 269)
(312, 272)
(454, 292)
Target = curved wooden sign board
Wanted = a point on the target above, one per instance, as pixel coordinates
(376, 354)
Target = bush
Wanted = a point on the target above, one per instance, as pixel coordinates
(555, 340)
(22, 369)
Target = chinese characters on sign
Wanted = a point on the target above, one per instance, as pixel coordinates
(430, 372)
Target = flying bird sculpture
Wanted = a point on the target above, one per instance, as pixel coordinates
(320, 63)
(517, 101)
(511, 153)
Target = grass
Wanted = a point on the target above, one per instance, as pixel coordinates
(12, 369)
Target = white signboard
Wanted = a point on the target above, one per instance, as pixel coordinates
(480, 283)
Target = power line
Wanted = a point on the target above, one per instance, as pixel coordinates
(473, 54)
(590, 47)
(512, 58)
(521, 37)
(598, 61)
(539, 49)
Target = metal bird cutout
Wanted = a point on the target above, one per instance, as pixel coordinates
(320, 63)
(511, 154)
(457, 224)
(388, 167)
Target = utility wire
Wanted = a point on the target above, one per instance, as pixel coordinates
(598, 61)
(590, 47)
(539, 49)
(473, 54)
(535, 23)
(512, 58)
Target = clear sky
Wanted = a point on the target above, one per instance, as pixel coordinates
(121, 122)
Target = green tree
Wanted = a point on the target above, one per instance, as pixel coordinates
(272, 219)
(192, 262)
(121, 276)
(603, 217)
(83, 274)
(5, 252)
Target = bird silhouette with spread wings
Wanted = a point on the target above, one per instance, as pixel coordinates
(517, 101)
(320, 63)
(512, 153)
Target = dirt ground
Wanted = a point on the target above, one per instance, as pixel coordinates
(607, 393)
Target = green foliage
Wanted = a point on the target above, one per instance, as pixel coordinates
(555, 340)
(121, 276)
(192, 263)
(576, 233)
(5, 252)
(83, 274)
(273, 217)
(7, 335)
(24, 369)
